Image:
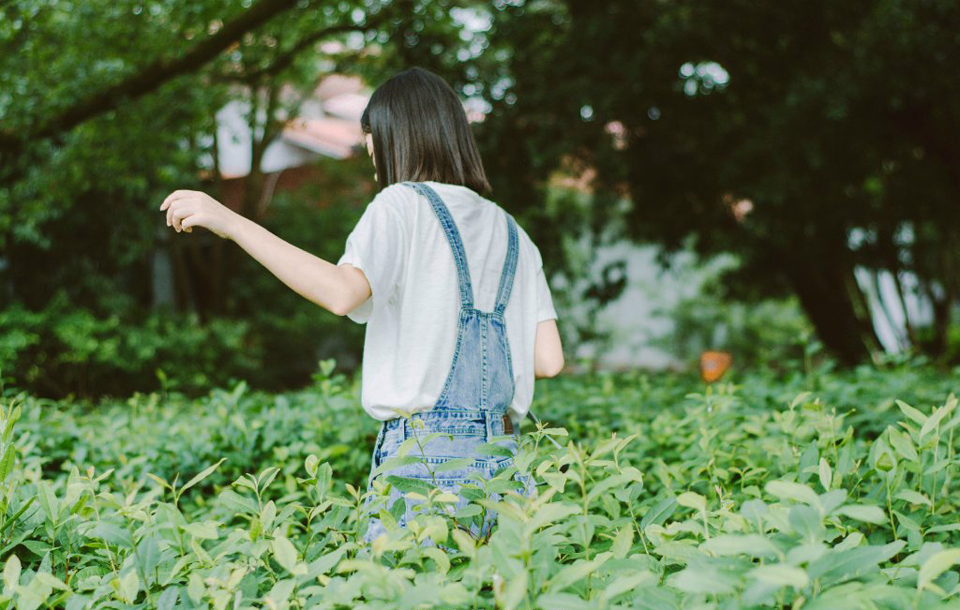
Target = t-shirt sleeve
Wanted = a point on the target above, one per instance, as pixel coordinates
(377, 246)
(545, 309)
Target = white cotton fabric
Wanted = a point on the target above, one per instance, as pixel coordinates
(412, 314)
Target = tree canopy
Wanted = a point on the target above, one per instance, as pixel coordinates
(810, 139)
(817, 142)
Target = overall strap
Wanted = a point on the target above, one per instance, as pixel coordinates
(453, 236)
(509, 266)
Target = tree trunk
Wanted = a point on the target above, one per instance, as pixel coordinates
(825, 299)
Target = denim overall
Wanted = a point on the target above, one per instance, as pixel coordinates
(472, 407)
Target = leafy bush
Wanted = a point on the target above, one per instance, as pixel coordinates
(63, 350)
(659, 493)
(767, 332)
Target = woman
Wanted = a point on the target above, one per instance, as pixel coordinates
(460, 318)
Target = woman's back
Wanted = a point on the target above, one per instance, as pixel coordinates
(412, 316)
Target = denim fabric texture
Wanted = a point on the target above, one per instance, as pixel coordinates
(474, 400)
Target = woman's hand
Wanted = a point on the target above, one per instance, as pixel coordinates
(188, 209)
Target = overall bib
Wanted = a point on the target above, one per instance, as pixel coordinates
(472, 407)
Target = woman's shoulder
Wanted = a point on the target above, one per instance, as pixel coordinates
(394, 194)
(394, 200)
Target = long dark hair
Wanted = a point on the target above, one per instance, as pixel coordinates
(420, 132)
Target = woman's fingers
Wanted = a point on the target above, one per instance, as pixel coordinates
(179, 213)
(179, 205)
(171, 206)
(179, 194)
(183, 209)
(189, 222)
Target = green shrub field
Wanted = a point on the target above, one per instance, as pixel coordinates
(818, 489)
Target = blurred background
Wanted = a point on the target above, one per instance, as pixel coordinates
(776, 181)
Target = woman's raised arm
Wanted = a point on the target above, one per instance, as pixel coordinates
(336, 289)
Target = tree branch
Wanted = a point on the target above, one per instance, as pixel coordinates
(150, 78)
(283, 60)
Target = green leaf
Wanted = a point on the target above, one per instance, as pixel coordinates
(493, 449)
(323, 564)
(789, 490)
(912, 413)
(781, 575)
(752, 545)
(311, 464)
(203, 474)
(6, 464)
(553, 511)
(622, 542)
(285, 553)
(438, 557)
(267, 476)
(906, 522)
(912, 497)
(454, 464)
(470, 510)
(237, 503)
(826, 474)
(902, 444)
(576, 572)
(280, 593)
(515, 592)
(601, 488)
(703, 577)
(807, 522)
(196, 587)
(863, 512)
(931, 424)
(937, 466)
(52, 581)
(110, 532)
(206, 530)
(410, 484)
(267, 515)
(48, 501)
(168, 599)
(659, 513)
(935, 566)
(127, 586)
(628, 582)
(394, 462)
(405, 447)
(561, 601)
(692, 500)
(11, 573)
(148, 553)
(464, 542)
(840, 565)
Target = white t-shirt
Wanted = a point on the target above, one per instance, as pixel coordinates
(412, 314)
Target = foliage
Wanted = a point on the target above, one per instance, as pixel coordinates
(115, 348)
(767, 333)
(63, 350)
(660, 493)
(95, 131)
(810, 140)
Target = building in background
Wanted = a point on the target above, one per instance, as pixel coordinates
(328, 125)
